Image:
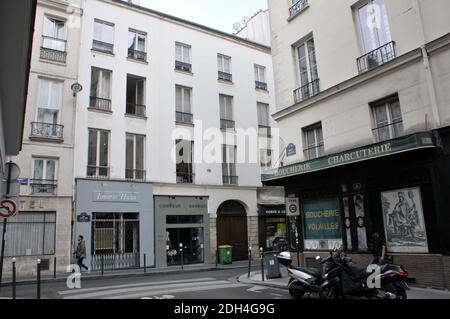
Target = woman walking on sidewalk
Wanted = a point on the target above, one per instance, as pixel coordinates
(80, 253)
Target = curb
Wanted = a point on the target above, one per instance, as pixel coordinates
(245, 280)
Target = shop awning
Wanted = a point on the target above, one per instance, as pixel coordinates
(395, 146)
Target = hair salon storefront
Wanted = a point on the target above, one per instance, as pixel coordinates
(396, 188)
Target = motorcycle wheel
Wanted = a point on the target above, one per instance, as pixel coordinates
(401, 293)
(296, 293)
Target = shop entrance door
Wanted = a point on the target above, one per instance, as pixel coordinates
(232, 228)
(355, 222)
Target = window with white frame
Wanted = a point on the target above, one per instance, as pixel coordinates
(135, 157)
(260, 77)
(103, 36)
(183, 101)
(49, 101)
(224, 66)
(137, 45)
(54, 34)
(183, 57)
(44, 176)
(387, 119)
(265, 158)
(307, 70)
(100, 97)
(229, 164)
(263, 119)
(226, 112)
(313, 141)
(98, 153)
(184, 159)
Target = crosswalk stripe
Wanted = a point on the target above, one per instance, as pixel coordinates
(147, 288)
(79, 291)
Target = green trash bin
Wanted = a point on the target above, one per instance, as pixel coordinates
(225, 254)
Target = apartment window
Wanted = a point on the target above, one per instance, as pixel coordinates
(226, 112)
(183, 57)
(297, 6)
(54, 40)
(263, 119)
(184, 158)
(100, 89)
(307, 68)
(388, 121)
(135, 99)
(135, 157)
(265, 157)
(103, 36)
(375, 36)
(260, 77)
(313, 140)
(137, 42)
(48, 106)
(44, 176)
(98, 154)
(229, 165)
(30, 234)
(224, 65)
(183, 104)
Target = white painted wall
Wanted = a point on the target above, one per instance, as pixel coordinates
(257, 29)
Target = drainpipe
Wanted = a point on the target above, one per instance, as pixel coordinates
(427, 67)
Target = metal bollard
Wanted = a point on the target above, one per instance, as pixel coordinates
(249, 260)
(262, 263)
(54, 267)
(181, 256)
(38, 293)
(103, 265)
(145, 263)
(217, 257)
(14, 278)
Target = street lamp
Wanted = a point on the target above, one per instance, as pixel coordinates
(76, 88)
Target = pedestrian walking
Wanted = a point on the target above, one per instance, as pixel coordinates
(378, 249)
(80, 253)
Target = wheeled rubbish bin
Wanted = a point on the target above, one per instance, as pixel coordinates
(271, 264)
(225, 254)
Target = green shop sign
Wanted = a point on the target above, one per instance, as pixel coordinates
(322, 219)
(404, 144)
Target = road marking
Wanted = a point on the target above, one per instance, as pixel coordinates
(257, 289)
(277, 295)
(78, 291)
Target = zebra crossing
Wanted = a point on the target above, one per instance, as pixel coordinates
(149, 289)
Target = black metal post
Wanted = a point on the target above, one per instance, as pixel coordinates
(103, 266)
(5, 223)
(298, 252)
(54, 267)
(14, 278)
(217, 257)
(262, 263)
(182, 257)
(38, 295)
(145, 263)
(249, 260)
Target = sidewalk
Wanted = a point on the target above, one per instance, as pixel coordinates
(62, 276)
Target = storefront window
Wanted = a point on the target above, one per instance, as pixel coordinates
(275, 231)
(192, 243)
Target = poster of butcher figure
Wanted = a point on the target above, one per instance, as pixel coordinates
(403, 221)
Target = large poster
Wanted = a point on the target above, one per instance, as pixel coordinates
(322, 223)
(403, 221)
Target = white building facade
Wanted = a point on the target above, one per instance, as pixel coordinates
(155, 86)
(362, 106)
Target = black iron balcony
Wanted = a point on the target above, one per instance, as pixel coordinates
(135, 174)
(227, 124)
(100, 172)
(182, 66)
(376, 58)
(313, 152)
(99, 103)
(53, 49)
(136, 109)
(43, 186)
(298, 7)
(388, 131)
(47, 131)
(137, 55)
(102, 46)
(225, 76)
(186, 118)
(261, 85)
(230, 180)
(264, 130)
(307, 91)
(185, 178)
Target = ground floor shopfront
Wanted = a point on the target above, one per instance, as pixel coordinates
(398, 188)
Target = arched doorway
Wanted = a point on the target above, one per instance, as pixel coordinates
(232, 228)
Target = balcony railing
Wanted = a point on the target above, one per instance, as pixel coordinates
(225, 76)
(230, 180)
(186, 118)
(100, 103)
(136, 109)
(185, 178)
(314, 152)
(135, 174)
(53, 49)
(47, 131)
(377, 57)
(227, 124)
(388, 131)
(307, 91)
(182, 66)
(264, 130)
(261, 85)
(102, 46)
(137, 55)
(297, 7)
(100, 172)
(43, 186)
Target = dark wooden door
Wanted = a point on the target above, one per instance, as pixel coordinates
(232, 230)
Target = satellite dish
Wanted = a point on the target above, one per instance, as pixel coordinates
(236, 26)
(245, 20)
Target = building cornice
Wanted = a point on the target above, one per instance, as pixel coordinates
(61, 5)
(361, 79)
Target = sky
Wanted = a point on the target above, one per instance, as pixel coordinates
(218, 14)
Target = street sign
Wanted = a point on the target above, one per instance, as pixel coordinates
(291, 150)
(23, 181)
(292, 207)
(83, 218)
(8, 208)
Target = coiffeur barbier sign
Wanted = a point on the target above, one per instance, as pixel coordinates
(404, 144)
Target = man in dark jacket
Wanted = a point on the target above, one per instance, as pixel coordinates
(378, 249)
(80, 253)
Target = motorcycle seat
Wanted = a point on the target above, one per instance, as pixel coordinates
(309, 271)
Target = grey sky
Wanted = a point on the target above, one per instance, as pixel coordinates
(218, 14)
